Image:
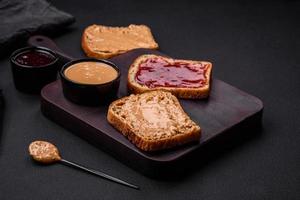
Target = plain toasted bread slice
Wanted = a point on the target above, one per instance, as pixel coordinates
(104, 41)
(153, 120)
(181, 92)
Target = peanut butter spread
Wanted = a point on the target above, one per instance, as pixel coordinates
(91, 73)
(118, 39)
(44, 152)
(155, 116)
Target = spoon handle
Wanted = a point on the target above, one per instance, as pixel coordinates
(98, 173)
(43, 41)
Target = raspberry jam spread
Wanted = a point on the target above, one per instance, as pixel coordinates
(158, 72)
(35, 58)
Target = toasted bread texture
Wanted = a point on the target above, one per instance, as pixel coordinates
(104, 41)
(153, 121)
(181, 92)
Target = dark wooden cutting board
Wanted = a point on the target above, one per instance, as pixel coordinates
(226, 108)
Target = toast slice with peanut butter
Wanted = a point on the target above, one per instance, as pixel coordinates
(153, 121)
(104, 41)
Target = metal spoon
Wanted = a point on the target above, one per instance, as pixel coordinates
(47, 153)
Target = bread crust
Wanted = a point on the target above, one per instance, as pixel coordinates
(185, 93)
(104, 55)
(151, 145)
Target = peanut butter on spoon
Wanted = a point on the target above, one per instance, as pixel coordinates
(44, 152)
(47, 153)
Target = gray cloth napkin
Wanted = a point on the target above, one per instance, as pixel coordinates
(19, 19)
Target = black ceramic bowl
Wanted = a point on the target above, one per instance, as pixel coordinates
(90, 94)
(31, 79)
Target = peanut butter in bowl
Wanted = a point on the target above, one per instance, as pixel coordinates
(90, 82)
(91, 73)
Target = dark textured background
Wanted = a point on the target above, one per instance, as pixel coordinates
(254, 46)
